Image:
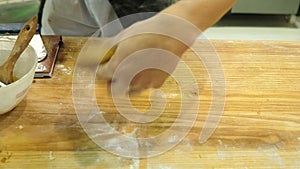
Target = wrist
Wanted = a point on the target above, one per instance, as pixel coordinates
(176, 28)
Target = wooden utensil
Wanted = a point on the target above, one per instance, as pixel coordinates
(24, 37)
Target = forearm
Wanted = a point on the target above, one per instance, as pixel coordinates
(201, 13)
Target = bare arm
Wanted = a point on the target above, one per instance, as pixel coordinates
(202, 13)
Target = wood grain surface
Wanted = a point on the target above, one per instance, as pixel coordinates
(260, 126)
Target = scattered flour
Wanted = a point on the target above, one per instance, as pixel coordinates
(66, 70)
(51, 157)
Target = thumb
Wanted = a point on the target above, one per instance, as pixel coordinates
(105, 71)
(106, 67)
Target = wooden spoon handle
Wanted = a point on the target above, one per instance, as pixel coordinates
(24, 37)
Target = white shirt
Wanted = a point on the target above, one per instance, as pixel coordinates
(79, 18)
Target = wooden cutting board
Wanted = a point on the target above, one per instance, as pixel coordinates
(260, 126)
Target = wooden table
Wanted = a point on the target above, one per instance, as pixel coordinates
(260, 127)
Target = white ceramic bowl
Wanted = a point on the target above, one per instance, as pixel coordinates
(12, 94)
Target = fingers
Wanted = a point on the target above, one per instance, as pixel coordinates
(110, 62)
(144, 80)
(132, 90)
(141, 70)
(105, 71)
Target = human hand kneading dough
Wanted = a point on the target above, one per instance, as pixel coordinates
(158, 42)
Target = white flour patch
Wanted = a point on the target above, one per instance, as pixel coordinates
(173, 139)
(272, 154)
(136, 164)
(51, 157)
(184, 146)
(62, 68)
(225, 151)
(222, 154)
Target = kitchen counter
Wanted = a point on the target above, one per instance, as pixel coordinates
(260, 126)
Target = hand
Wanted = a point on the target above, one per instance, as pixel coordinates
(147, 53)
